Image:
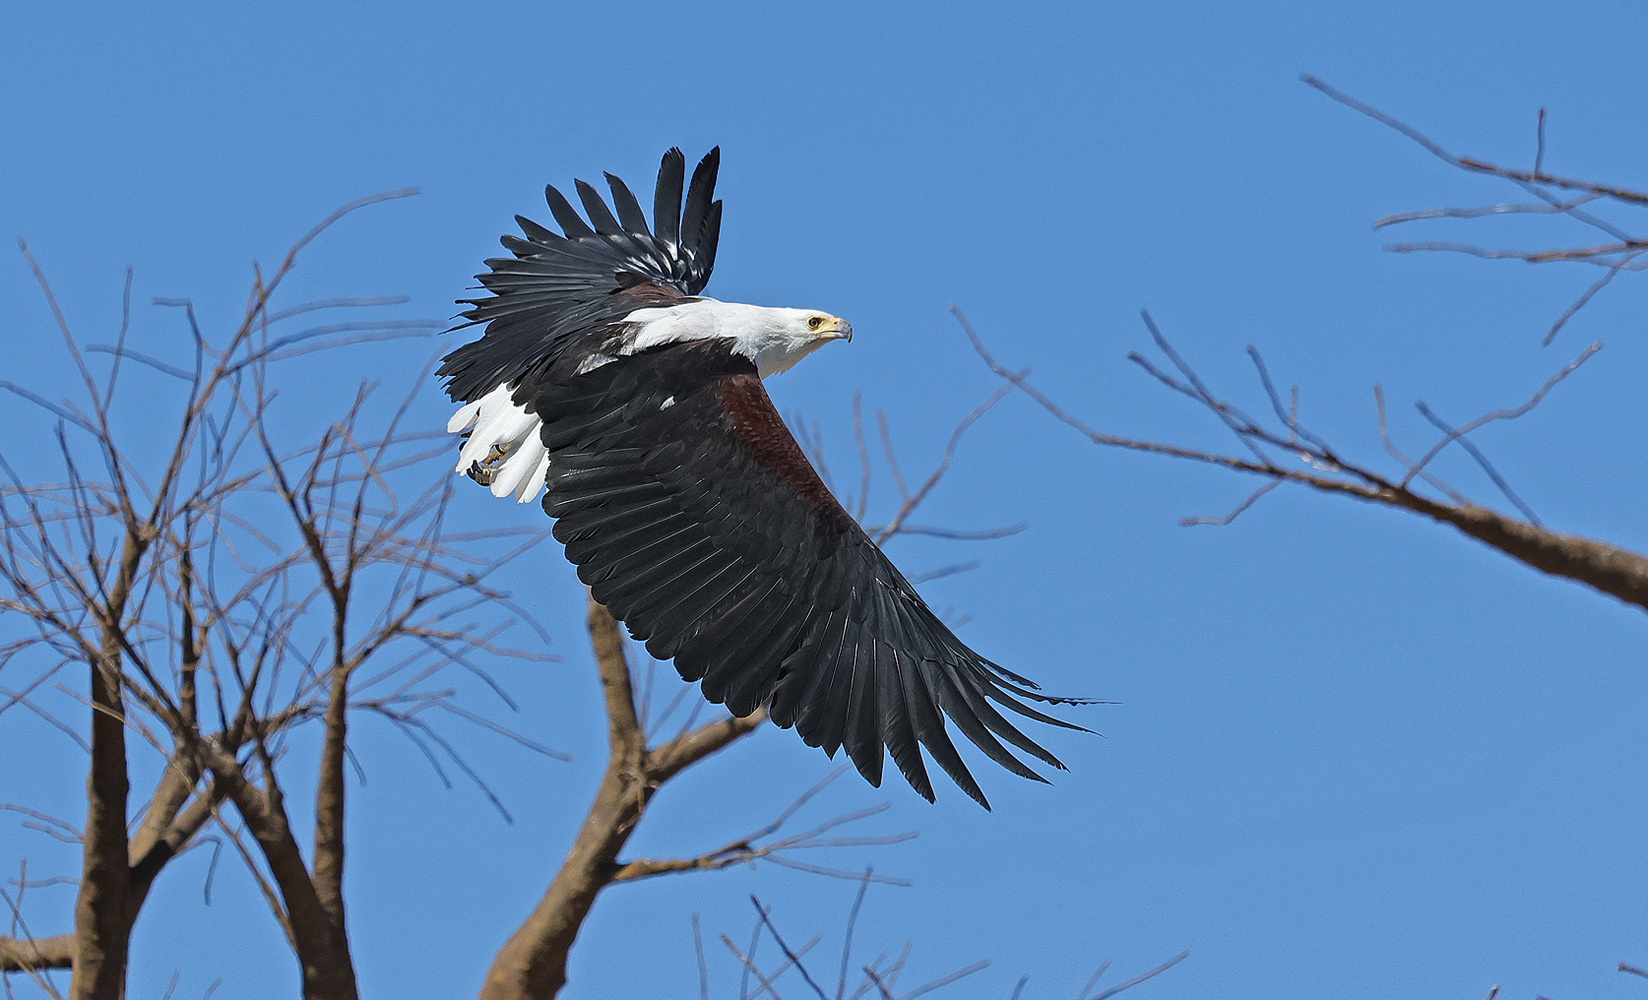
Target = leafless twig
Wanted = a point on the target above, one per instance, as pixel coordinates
(1620, 254)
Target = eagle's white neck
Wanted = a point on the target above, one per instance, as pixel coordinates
(774, 338)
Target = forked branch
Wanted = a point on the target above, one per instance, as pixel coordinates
(1288, 452)
(1623, 250)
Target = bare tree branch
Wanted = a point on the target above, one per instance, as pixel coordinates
(1142, 977)
(1621, 254)
(532, 963)
(1612, 570)
(29, 954)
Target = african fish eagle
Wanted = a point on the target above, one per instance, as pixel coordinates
(604, 379)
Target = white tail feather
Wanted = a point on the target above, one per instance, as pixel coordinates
(504, 441)
(465, 417)
(513, 475)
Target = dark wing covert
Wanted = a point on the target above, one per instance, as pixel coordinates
(558, 288)
(693, 515)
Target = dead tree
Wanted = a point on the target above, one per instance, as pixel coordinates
(216, 598)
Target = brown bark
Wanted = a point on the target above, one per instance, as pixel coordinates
(1617, 572)
(322, 948)
(149, 857)
(102, 915)
(329, 797)
(172, 820)
(1614, 571)
(166, 829)
(176, 784)
(17, 955)
(532, 963)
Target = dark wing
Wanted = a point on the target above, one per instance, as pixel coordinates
(695, 518)
(557, 289)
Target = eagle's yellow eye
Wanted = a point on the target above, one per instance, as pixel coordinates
(814, 322)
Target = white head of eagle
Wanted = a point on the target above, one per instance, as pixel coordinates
(606, 382)
(774, 338)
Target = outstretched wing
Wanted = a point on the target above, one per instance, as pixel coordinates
(693, 515)
(559, 288)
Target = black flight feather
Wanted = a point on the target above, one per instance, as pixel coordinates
(629, 210)
(600, 216)
(709, 235)
(715, 550)
(565, 215)
(568, 293)
(666, 198)
(535, 232)
(699, 195)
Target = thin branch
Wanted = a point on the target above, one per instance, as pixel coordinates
(1467, 163)
(766, 984)
(944, 981)
(1093, 980)
(1587, 295)
(1621, 254)
(1501, 414)
(789, 953)
(1482, 461)
(703, 969)
(847, 938)
(1485, 211)
(913, 500)
(1142, 977)
(1252, 498)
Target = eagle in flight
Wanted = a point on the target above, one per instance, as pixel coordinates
(634, 403)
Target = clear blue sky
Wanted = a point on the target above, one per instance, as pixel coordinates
(1356, 754)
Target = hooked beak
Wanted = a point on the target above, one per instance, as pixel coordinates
(837, 329)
